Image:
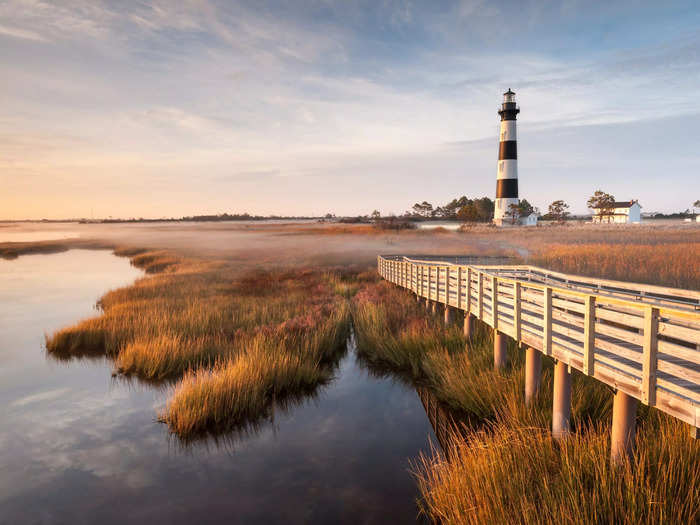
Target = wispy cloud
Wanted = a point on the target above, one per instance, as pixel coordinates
(24, 34)
(94, 89)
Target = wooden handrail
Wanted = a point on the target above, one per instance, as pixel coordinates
(639, 339)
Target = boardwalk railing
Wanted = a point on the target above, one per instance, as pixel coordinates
(639, 339)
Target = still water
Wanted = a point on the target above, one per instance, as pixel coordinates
(77, 446)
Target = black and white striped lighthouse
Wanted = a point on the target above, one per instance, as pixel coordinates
(507, 178)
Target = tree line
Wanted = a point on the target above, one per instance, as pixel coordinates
(463, 209)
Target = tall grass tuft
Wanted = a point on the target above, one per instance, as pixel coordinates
(243, 388)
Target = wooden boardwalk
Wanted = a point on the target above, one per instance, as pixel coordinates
(639, 339)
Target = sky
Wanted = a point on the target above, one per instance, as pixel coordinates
(163, 108)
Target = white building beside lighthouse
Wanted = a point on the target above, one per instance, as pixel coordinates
(507, 175)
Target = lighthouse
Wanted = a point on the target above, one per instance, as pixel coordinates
(507, 176)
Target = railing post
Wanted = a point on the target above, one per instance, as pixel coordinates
(649, 357)
(430, 283)
(480, 296)
(623, 427)
(589, 335)
(447, 286)
(459, 287)
(469, 291)
(533, 373)
(516, 311)
(437, 287)
(421, 285)
(494, 301)
(547, 328)
(561, 407)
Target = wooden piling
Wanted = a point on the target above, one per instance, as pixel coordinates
(623, 427)
(468, 325)
(561, 408)
(533, 373)
(500, 357)
(449, 315)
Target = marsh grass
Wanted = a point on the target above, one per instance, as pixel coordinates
(244, 388)
(232, 342)
(671, 264)
(510, 474)
(503, 466)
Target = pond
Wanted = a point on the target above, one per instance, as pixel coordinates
(78, 446)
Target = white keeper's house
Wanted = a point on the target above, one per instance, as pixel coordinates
(619, 213)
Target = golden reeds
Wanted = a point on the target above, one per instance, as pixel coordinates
(237, 341)
(674, 264)
(503, 465)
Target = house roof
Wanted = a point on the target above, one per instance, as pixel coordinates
(625, 204)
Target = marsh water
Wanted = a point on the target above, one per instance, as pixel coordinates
(79, 446)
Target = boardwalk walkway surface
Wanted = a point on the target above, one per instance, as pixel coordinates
(639, 339)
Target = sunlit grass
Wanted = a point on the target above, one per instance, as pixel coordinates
(673, 264)
(234, 342)
(244, 387)
(504, 466)
(512, 474)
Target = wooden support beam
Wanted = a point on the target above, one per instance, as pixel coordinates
(500, 356)
(623, 427)
(533, 373)
(561, 406)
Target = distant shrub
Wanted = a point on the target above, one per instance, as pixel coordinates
(392, 223)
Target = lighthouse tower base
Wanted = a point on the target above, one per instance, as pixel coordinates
(502, 215)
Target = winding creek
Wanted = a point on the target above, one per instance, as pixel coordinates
(78, 446)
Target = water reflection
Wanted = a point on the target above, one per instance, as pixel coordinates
(78, 446)
(446, 424)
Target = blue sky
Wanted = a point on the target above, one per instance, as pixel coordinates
(173, 108)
